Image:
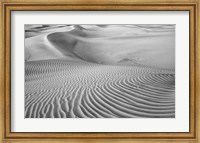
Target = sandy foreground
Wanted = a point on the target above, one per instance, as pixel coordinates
(99, 71)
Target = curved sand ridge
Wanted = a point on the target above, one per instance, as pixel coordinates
(80, 89)
(88, 79)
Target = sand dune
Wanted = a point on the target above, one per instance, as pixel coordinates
(118, 45)
(100, 71)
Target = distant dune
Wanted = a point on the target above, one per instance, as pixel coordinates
(100, 71)
(118, 45)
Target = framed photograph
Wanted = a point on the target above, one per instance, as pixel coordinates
(99, 71)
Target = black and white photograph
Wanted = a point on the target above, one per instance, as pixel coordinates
(99, 71)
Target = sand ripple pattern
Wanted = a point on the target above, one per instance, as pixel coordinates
(64, 89)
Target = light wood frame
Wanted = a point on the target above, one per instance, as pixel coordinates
(5, 75)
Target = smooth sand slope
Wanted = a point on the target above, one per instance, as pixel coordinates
(100, 71)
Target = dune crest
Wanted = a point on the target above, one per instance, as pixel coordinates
(39, 48)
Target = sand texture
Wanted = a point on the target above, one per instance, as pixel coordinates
(99, 71)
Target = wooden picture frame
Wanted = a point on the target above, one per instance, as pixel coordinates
(50, 5)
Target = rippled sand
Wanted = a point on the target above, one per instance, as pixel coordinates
(100, 72)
